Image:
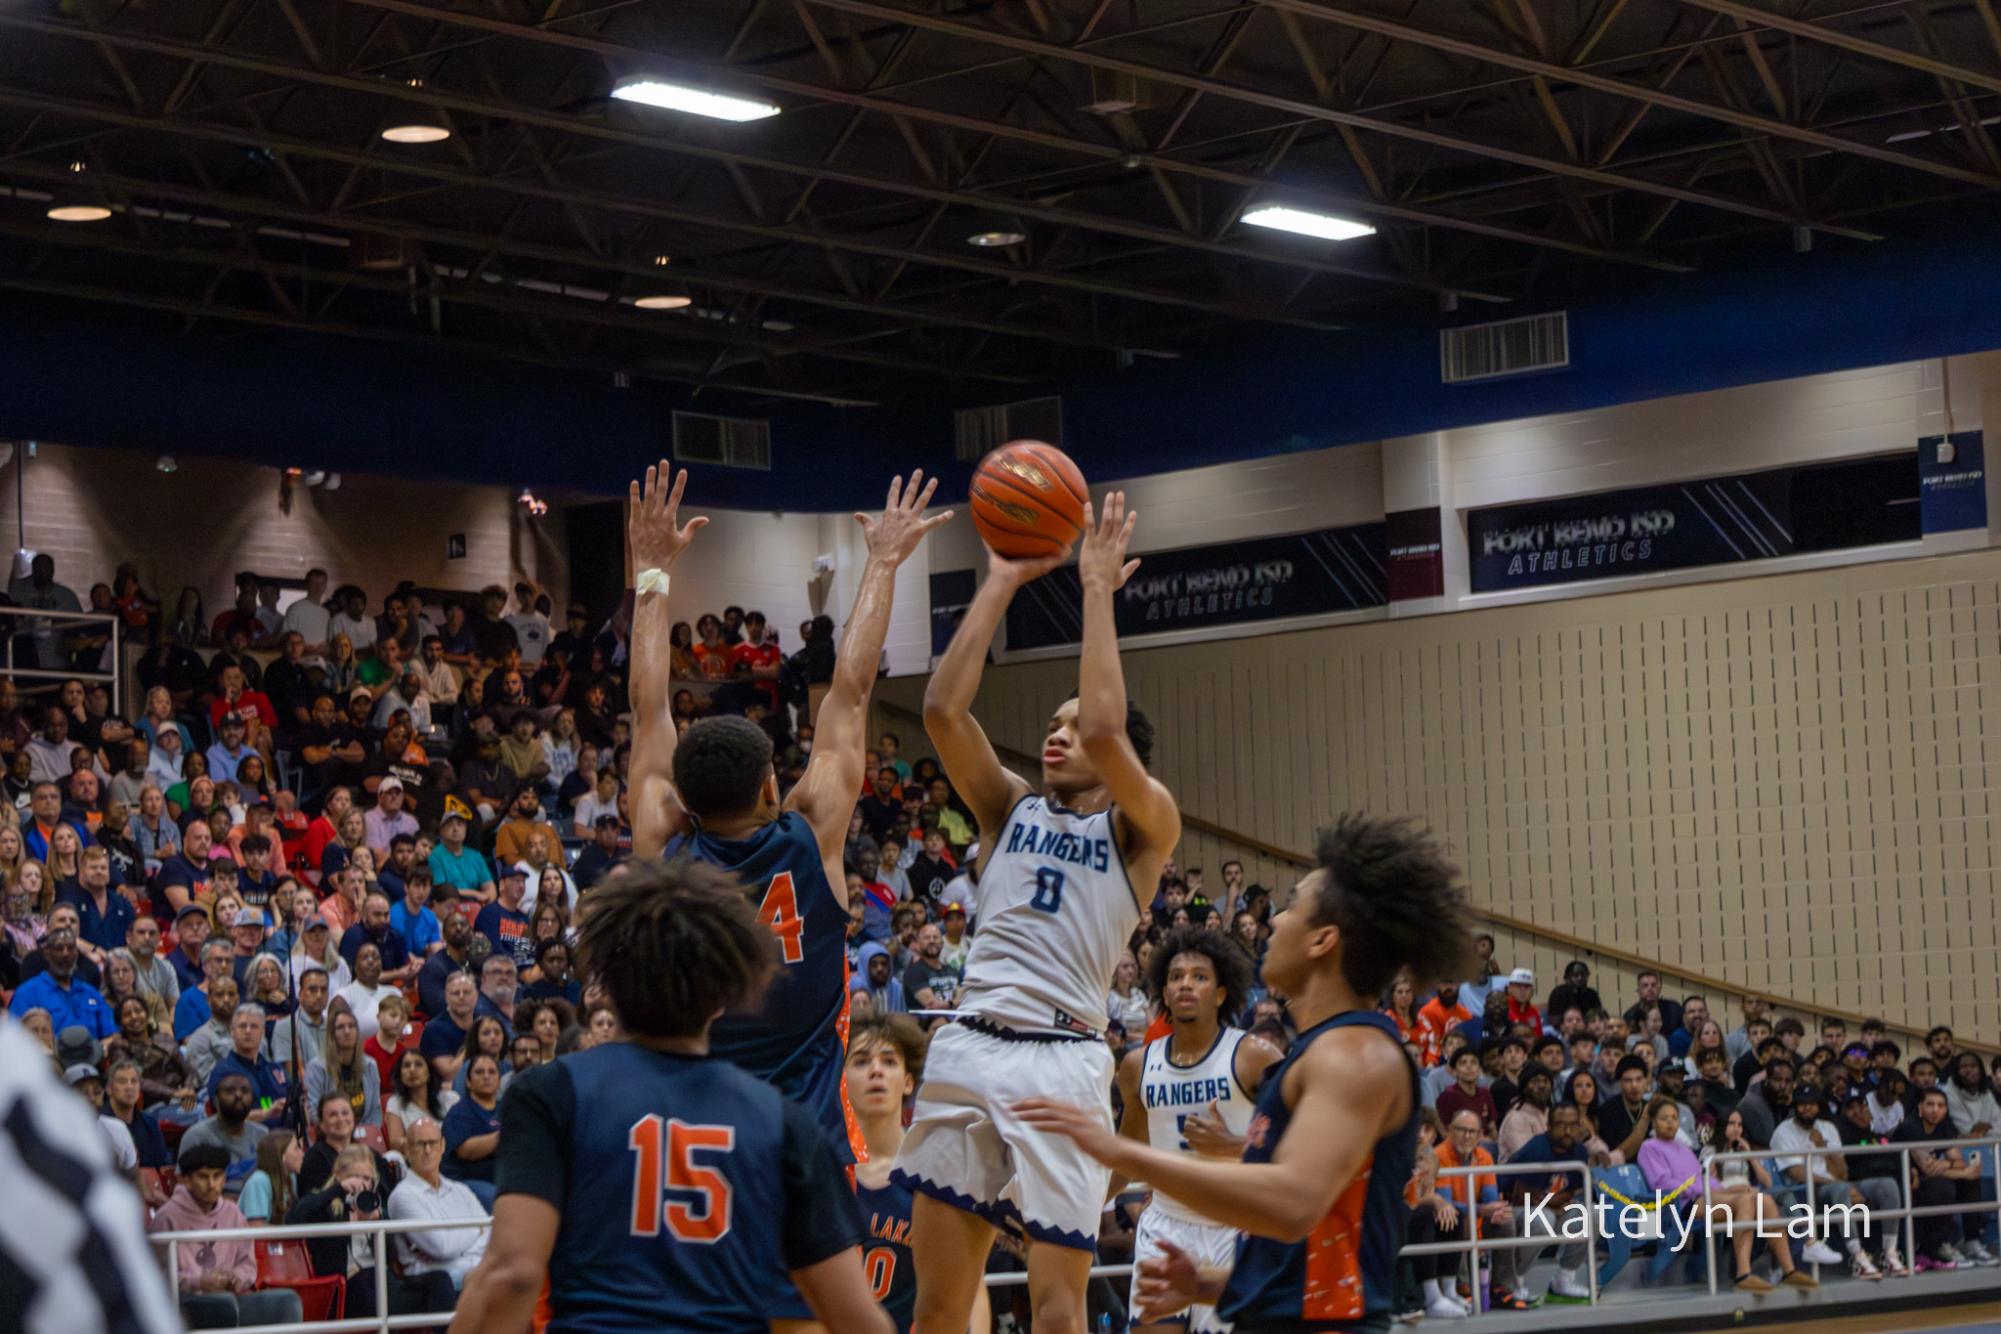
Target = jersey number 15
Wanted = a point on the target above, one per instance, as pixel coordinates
(694, 1200)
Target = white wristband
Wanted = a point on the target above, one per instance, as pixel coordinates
(652, 581)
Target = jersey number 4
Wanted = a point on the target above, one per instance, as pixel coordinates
(693, 1200)
(780, 912)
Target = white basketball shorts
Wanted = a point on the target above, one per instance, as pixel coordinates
(966, 1148)
(1209, 1244)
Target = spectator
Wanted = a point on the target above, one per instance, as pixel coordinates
(1769, 1102)
(453, 863)
(1402, 1011)
(163, 1075)
(343, 1071)
(546, 880)
(397, 966)
(444, 1039)
(426, 1193)
(1562, 1142)
(597, 860)
(926, 980)
(1969, 1099)
(1944, 1177)
(1694, 1013)
(1521, 1002)
(876, 979)
(1467, 1094)
(1575, 990)
(210, 1040)
(410, 916)
(124, 1095)
(353, 1191)
(932, 871)
(600, 801)
(274, 1186)
(1792, 1145)
(1530, 1115)
(246, 1057)
(472, 1129)
(1478, 1202)
(504, 922)
(105, 914)
(365, 995)
(40, 643)
(45, 803)
(304, 1030)
(58, 989)
(1876, 1175)
(524, 819)
(1649, 983)
(231, 1130)
(499, 987)
(1438, 1016)
(1739, 1042)
(388, 819)
(218, 1279)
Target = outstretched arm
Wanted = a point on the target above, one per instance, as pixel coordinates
(657, 539)
(1152, 820)
(827, 793)
(988, 790)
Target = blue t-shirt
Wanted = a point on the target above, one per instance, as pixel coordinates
(395, 951)
(267, 1078)
(507, 931)
(1538, 1150)
(191, 1011)
(78, 1003)
(420, 931)
(106, 929)
(468, 1120)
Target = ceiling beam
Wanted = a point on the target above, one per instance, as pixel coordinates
(411, 166)
(1736, 116)
(1316, 196)
(429, 95)
(1336, 116)
(1861, 46)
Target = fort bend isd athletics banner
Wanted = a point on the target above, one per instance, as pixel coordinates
(1200, 588)
(1707, 521)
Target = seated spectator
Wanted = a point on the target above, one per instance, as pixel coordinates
(1793, 1142)
(353, 1193)
(1466, 1093)
(105, 913)
(1478, 1203)
(274, 1186)
(426, 1193)
(246, 1057)
(68, 999)
(1530, 1115)
(524, 819)
(454, 864)
(445, 1033)
(1944, 1177)
(1626, 1120)
(368, 991)
(374, 929)
(415, 1092)
(1877, 1175)
(472, 1129)
(1969, 1099)
(388, 819)
(1561, 1142)
(218, 1279)
(231, 1129)
(603, 853)
(342, 1070)
(505, 922)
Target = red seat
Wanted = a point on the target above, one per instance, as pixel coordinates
(374, 1137)
(286, 1264)
(171, 1132)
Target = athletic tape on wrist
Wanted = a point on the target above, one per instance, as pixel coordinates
(652, 581)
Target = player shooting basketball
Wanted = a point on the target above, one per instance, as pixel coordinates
(1057, 904)
(1324, 1207)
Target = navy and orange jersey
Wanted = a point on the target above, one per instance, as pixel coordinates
(886, 1250)
(798, 1039)
(688, 1189)
(1343, 1276)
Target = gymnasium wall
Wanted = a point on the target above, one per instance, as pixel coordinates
(90, 509)
(1790, 783)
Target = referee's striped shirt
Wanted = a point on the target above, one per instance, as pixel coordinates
(73, 1252)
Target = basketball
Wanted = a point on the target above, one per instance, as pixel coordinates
(1028, 500)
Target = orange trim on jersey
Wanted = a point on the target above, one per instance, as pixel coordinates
(1333, 1287)
(545, 1309)
(856, 1140)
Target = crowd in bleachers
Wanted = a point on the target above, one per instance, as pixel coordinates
(293, 925)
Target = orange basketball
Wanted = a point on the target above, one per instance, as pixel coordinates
(1028, 500)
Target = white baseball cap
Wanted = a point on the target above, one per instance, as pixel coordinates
(1521, 977)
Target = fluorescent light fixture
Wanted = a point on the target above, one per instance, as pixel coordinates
(1000, 238)
(79, 213)
(663, 302)
(1323, 225)
(416, 134)
(694, 101)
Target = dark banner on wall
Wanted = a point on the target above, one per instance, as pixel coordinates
(951, 591)
(1718, 521)
(1952, 472)
(1201, 588)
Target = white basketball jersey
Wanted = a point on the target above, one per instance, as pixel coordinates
(1056, 911)
(1172, 1093)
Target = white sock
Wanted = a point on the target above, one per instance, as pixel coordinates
(1431, 1292)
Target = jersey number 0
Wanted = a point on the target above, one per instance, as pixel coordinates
(694, 1200)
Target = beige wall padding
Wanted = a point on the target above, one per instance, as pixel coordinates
(1788, 783)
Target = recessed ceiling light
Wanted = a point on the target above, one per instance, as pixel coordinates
(663, 302)
(79, 213)
(998, 237)
(780, 326)
(662, 261)
(1323, 225)
(416, 134)
(694, 101)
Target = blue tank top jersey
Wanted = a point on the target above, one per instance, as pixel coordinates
(798, 1040)
(1343, 1276)
(886, 1251)
(688, 1189)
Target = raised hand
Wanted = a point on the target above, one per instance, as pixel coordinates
(652, 519)
(903, 523)
(1023, 571)
(1103, 563)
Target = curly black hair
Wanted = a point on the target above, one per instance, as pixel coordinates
(1232, 965)
(1399, 903)
(672, 945)
(1139, 730)
(720, 765)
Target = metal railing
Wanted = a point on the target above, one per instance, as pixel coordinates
(1471, 1243)
(15, 620)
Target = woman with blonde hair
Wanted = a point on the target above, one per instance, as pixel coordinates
(12, 851)
(344, 1070)
(121, 983)
(20, 914)
(274, 1187)
(65, 853)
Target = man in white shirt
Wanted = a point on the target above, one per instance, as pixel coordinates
(1792, 1149)
(85, 1079)
(365, 993)
(531, 624)
(308, 1021)
(309, 617)
(441, 679)
(353, 621)
(426, 1193)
